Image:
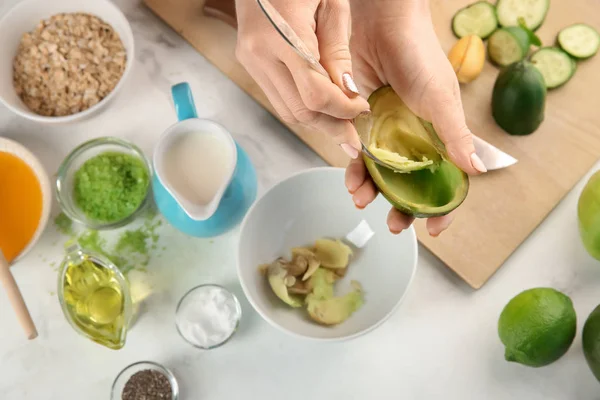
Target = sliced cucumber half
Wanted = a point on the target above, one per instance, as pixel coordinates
(508, 45)
(556, 66)
(533, 11)
(579, 40)
(475, 19)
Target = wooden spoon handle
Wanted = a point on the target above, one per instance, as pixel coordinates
(16, 299)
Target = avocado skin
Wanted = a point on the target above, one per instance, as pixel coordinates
(414, 211)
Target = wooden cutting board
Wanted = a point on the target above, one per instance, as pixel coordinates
(503, 207)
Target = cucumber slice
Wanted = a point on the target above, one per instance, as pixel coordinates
(533, 11)
(579, 40)
(556, 66)
(475, 19)
(508, 45)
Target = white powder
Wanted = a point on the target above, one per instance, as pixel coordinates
(208, 316)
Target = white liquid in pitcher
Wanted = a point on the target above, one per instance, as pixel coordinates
(197, 164)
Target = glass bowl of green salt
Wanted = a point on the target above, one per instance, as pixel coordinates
(104, 183)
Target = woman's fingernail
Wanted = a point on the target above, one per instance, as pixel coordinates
(358, 202)
(351, 151)
(446, 225)
(477, 163)
(349, 83)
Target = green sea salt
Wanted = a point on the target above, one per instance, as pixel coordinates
(110, 186)
(132, 248)
(63, 224)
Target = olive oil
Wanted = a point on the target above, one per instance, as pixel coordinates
(95, 298)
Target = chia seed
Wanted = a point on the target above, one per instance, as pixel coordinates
(147, 385)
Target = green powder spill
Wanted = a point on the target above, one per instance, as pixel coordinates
(91, 240)
(131, 251)
(111, 186)
(134, 241)
(63, 224)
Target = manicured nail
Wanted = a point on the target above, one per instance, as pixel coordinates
(351, 151)
(349, 83)
(477, 163)
(357, 201)
(447, 223)
(395, 232)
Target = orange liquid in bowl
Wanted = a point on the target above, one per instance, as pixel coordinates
(20, 205)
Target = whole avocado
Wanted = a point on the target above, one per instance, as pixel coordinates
(519, 98)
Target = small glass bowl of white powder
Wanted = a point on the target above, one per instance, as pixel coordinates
(207, 316)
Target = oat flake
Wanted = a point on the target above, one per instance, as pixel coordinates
(69, 63)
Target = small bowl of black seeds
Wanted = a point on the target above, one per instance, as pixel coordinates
(145, 380)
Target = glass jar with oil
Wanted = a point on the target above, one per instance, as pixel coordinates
(95, 297)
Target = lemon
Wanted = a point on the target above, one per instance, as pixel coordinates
(537, 327)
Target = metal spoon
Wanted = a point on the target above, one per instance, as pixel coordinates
(492, 157)
(362, 122)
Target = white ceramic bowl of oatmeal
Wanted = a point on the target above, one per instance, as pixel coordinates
(75, 95)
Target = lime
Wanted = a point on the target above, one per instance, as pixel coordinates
(588, 215)
(591, 341)
(537, 327)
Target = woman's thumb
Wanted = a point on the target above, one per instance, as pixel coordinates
(333, 34)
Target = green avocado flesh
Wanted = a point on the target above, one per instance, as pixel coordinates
(426, 191)
(334, 310)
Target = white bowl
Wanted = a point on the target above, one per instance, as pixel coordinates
(308, 206)
(12, 147)
(24, 17)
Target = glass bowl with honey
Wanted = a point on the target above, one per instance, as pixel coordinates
(95, 297)
(104, 183)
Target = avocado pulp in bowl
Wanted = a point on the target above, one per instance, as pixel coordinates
(426, 183)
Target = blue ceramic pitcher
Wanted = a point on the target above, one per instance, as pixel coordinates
(225, 204)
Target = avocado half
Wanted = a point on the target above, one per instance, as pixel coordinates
(429, 185)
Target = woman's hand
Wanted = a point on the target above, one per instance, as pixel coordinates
(393, 42)
(299, 94)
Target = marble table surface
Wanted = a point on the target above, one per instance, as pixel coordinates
(441, 343)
